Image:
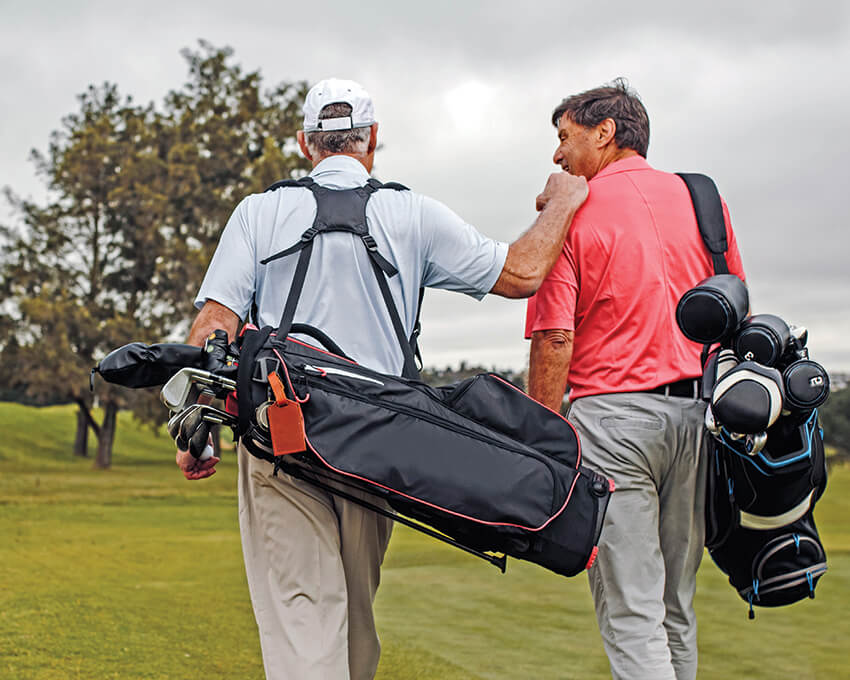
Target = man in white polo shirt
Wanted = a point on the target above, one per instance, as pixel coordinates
(313, 560)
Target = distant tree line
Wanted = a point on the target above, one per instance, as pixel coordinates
(835, 420)
(448, 375)
(137, 196)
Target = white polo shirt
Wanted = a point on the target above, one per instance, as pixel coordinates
(428, 244)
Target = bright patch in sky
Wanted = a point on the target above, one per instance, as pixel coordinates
(469, 106)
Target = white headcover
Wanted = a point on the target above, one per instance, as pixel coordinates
(335, 91)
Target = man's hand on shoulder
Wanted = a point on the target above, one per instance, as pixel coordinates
(532, 255)
(564, 189)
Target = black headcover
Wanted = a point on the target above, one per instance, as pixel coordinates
(711, 311)
(140, 365)
(763, 338)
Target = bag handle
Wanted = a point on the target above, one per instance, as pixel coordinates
(319, 336)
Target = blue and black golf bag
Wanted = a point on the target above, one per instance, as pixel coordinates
(768, 467)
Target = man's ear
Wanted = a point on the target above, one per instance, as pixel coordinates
(373, 138)
(605, 132)
(302, 142)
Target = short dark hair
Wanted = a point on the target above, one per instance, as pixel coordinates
(615, 100)
(338, 141)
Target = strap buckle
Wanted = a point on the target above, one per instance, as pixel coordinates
(310, 234)
(370, 242)
(263, 367)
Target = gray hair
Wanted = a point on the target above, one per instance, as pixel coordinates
(354, 141)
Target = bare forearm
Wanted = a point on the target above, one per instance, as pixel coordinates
(213, 316)
(549, 366)
(533, 254)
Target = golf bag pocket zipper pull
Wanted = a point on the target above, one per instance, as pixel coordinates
(286, 422)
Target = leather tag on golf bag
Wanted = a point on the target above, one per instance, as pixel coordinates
(286, 422)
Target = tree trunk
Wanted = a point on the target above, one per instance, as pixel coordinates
(106, 436)
(81, 440)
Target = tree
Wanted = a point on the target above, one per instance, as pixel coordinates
(137, 200)
(83, 268)
(225, 138)
(835, 420)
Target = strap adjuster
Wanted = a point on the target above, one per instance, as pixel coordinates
(310, 234)
(370, 242)
(263, 367)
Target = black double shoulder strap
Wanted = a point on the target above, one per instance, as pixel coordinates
(345, 210)
(709, 212)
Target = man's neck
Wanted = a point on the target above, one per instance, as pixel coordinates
(364, 159)
(616, 154)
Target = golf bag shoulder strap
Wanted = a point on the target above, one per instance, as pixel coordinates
(709, 213)
(375, 184)
(343, 210)
(417, 329)
(251, 344)
(303, 182)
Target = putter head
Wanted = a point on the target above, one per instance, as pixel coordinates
(186, 385)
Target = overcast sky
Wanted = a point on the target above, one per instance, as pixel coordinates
(754, 94)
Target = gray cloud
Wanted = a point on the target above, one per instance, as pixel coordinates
(753, 94)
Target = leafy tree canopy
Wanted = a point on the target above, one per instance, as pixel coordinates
(137, 198)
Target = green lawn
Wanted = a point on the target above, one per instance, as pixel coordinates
(135, 573)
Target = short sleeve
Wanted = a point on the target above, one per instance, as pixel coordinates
(457, 256)
(230, 277)
(554, 304)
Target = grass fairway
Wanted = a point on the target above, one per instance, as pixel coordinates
(135, 573)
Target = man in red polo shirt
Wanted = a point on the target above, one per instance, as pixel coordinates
(604, 323)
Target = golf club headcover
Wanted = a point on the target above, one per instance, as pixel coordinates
(711, 311)
(748, 398)
(806, 385)
(718, 363)
(762, 338)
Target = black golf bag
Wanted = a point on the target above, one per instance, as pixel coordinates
(478, 460)
(760, 530)
(768, 467)
(478, 463)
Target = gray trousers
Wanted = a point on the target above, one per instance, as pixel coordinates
(655, 449)
(313, 566)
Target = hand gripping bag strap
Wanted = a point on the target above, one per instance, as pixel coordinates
(339, 217)
(709, 213)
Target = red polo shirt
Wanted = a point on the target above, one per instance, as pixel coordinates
(632, 250)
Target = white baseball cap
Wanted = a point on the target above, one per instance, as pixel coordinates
(335, 91)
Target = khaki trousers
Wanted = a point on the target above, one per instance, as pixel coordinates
(643, 582)
(313, 566)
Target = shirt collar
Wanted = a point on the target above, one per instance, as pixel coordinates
(340, 169)
(626, 164)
